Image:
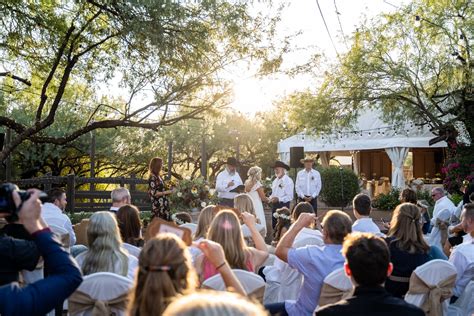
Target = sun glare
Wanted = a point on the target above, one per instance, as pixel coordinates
(251, 96)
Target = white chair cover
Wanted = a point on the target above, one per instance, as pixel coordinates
(464, 306)
(336, 286)
(134, 251)
(252, 283)
(104, 286)
(434, 239)
(284, 282)
(191, 226)
(432, 273)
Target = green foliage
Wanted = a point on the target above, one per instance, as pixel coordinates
(192, 193)
(425, 195)
(456, 198)
(459, 168)
(339, 186)
(387, 202)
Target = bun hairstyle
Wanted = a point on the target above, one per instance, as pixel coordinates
(165, 272)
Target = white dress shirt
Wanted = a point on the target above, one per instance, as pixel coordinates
(53, 215)
(365, 225)
(308, 183)
(223, 180)
(461, 257)
(442, 204)
(282, 188)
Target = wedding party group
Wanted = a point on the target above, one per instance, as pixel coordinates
(220, 263)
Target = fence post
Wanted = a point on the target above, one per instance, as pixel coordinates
(71, 190)
(170, 159)
(47, 182)
(122, 182)
(8, 161)
(133, 186)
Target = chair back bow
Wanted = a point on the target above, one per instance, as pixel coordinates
(436, 294)
(331, 294)
(80, 302)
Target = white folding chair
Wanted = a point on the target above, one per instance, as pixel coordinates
(336, 286)
(134, 251)
(252, 283)
(103, 293)
(435, 238)
(191, 226)
(432, 274)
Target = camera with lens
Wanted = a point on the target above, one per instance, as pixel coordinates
(7, 204)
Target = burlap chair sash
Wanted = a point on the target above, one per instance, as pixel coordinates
(80, 302)
(257, 294)
(436, 294)
(443, 229)
(331, 295)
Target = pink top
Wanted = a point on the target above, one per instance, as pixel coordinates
(208, 269)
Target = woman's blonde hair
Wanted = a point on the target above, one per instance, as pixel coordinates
(105, 246)
(211, 303)
(244, 203)
(406, 228)
(204, 220)
(164, 272)
(254, 174)
(225, 230)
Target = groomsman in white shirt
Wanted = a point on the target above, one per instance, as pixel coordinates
(282, 189)
(308, 184)
(226, 181)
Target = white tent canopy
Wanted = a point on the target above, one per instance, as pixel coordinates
(368, 133)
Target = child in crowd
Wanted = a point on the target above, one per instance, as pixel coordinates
(283, 217)
(181, 218)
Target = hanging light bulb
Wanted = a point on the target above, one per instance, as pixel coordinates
(417, 21)
(370, 134)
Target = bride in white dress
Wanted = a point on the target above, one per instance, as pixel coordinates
(254, 189)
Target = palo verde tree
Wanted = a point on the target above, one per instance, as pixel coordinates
(415, 62)
(55, 56)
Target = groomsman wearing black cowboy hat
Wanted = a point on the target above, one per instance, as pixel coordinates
(227, 182)
(282, 189)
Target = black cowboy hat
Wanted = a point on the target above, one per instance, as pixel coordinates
(232, 161)
(280, 164)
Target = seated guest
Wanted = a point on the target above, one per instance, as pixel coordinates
(463, 255)
(408, 196)
(361, 205)
(105, 253)
(120, 197)
(165, 273)
(408, 248)
(64, 276)
(213, 303)
(244, 203)
(311, 230)
(181, 218)
(314, 262)
(368, 265)
(128, 218)
(283, 223)
(52, 212)
(225, 230)
(425, 216)
(204, 220)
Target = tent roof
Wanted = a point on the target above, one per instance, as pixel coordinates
(380, 137)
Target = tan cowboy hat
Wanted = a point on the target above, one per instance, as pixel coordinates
(307, 159)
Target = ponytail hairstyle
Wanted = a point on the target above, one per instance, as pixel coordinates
(164, 273)
(406, 229)
(283, 217)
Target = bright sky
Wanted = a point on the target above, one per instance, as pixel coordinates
(252, 95)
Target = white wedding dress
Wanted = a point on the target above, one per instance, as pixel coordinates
(258, 205)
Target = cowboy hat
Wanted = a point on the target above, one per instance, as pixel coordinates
(231, 161)
(307, 159)
(280, 164)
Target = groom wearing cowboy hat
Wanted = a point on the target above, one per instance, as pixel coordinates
(282, 189)
(308, 183)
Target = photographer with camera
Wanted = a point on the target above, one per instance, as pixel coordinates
(64, 275)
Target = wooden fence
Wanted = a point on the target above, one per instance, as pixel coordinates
(89, 200)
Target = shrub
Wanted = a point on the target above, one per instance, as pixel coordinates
(339, 186)
(387, 202)
(425, 195)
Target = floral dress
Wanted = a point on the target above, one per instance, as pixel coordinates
(160, 206)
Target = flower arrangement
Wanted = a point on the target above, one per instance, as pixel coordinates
(192, 194)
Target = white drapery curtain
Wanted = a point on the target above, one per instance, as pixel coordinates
(285, 157)
(356, 161)
(397, 155)
(325, 156)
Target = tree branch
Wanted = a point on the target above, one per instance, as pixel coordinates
(22, 80)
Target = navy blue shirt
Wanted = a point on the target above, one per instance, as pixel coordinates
(42, 296)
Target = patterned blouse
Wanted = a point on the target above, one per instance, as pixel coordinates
(159, 204)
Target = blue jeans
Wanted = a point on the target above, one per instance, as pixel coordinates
(276, 309)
